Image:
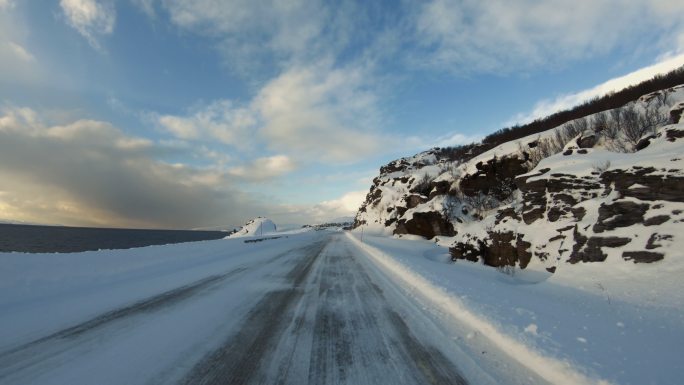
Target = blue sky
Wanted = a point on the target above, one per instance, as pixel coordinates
(178, 114)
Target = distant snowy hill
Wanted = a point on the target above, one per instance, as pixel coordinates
(604, 187)
(12, 222)
(342, 220)
(257, 226)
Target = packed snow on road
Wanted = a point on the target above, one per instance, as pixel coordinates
(326, 307)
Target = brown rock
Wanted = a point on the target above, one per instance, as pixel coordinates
(589, 249)
(554, 214)
(619, 214)
(508, 212)
(676, 113)
(644, 142)
(587, 140)
(642, 256)
(439, 188)
(673, 134)
(502, 253)
(669, 187)
(495, 177)
(657, 220)
(427, 224)
(533, 214)
(465, 251)
(413, 200)
(655, 237)
(578, 213)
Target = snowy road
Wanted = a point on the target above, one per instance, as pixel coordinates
(317, 312)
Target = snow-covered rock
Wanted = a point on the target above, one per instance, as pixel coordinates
(609, 186)
(255, 227)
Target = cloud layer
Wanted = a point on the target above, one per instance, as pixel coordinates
(549, 106)
(501, 36)
(310, 113)
(90, 18)
(92, 173)
(320, 77)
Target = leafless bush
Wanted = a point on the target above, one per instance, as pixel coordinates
(450, 206)
(616, 115)
(423, 185)
(619, 145)
(652, 118)
(614, 125)
(504, 191)
(454, 170)
(631, 125)
(481, 203)
(600, 122)
(576, 127)
(658, 101)
(546, 146)
(506, 269)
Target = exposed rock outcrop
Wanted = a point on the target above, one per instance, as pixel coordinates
(548, 199)
(426, 224)
(495, 177)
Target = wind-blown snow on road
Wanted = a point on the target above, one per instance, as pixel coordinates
(291, 310)
(316, 307)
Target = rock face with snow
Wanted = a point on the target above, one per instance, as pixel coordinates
(572, 210)
(257, 226)
(610, 185)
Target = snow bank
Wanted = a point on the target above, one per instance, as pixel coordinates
(567, 335)
(255, 227)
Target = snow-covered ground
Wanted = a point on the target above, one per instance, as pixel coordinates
(584, 324)
(256, 227)
(323, 307)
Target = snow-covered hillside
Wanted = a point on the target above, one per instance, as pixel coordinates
(606, 187)
(256, 226)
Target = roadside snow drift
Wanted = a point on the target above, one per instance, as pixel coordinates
(255, 227)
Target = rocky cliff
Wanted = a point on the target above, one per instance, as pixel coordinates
(609, 185)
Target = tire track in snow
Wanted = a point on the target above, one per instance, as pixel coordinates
(332, 325)
(237, 360)
(359, 337)
(49, 347)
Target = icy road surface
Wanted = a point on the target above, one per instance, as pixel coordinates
(310, 308)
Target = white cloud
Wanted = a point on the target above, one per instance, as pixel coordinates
(90, 18)
(18, 65)
(221, 120)
(313, 113)
(501, 36)
(249, 29)
(320, 113)
(6, 4)
(344, 206)
(549, 106)
(264, 168)
(87, 172)
(456, 139)
(147, 6)
(325, 211)
(20, 52)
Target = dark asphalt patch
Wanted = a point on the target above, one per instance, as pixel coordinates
(237, 360)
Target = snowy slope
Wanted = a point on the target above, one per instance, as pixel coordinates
(257, 226)
(594, 189)
(305, 308)
(585, 226)
(585, 324)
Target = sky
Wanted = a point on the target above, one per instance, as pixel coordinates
(204, 114)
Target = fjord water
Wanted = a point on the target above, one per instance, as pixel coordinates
(58, 239)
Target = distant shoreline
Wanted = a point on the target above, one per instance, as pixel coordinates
(64, 239)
